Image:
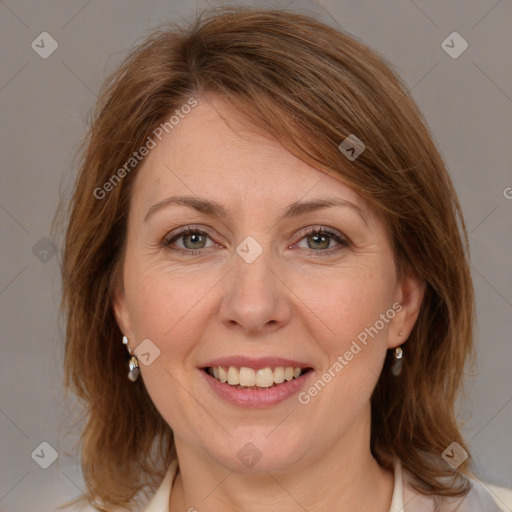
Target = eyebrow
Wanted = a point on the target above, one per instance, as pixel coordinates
(213, 208)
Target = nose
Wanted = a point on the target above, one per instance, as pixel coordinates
(256, 299)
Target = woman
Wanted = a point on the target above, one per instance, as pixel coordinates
(264, 238)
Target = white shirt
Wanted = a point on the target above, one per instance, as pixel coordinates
(481, 498)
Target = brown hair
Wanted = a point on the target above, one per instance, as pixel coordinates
(309, 86)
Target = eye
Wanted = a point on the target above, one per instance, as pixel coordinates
(192, 240)
(188, 240)
(323, 240)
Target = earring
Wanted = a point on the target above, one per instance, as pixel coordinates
(133, 364)
(396, 367)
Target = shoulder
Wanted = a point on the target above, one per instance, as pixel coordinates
(481, 497)
(501, 495)
(484, 496)
(159, 502)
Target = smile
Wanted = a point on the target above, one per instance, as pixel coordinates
(249, 378)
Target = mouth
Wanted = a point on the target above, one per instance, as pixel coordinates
(243, 377)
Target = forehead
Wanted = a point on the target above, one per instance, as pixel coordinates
(215, 152)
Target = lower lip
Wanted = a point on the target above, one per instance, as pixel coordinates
(264, 397)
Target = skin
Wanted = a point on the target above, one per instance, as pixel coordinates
(290, 302)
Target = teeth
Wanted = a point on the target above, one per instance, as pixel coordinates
(233, 376)
(250, 378)
(247, 376)
(264, 377)
(279, 375)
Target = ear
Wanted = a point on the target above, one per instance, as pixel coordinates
(409, 294)
(121, 313)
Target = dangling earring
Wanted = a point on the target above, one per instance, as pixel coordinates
(133, 364)
(396, 367)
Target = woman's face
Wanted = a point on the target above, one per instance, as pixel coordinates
(253, 287)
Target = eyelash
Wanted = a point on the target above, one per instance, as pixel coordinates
(342, 241)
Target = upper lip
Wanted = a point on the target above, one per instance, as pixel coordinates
(255, 363)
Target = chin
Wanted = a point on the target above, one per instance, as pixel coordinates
(262, 454)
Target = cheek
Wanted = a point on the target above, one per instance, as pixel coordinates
(342, 316)
(167, 305)
(168, 308)
(346, 304)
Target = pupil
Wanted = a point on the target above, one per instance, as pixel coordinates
(321, 239)
(195, 238)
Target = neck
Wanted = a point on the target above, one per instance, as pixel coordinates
(345, 477)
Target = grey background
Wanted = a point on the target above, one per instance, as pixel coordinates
(44, 104)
